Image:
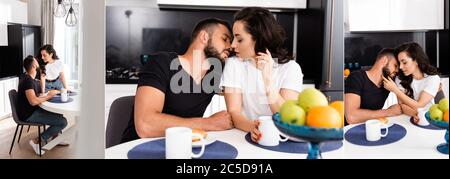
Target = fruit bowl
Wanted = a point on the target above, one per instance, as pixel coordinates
(443, 148)
(314, 136)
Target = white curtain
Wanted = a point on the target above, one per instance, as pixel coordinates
(47, 21)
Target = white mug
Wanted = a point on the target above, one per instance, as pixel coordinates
(64, 95)
(422, 119)
(373, 130)
(179, 143)
(270, 134)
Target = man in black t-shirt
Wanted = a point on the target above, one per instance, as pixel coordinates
(364, 93)
(174, 90)
(28, 103)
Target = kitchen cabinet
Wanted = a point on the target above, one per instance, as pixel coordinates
(333, 61)
(3, 25)
(3, 34)
(285, 4)
(395, 15)
(6, 85)
(13, 11)
(23, 40)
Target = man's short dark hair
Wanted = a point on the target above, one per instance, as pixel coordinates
(28, 63)
(207, 24)
(389, 52)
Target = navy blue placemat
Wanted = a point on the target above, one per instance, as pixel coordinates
(296, 147)
(429, 126)
(57, 99)
(71, 93)
(357, 135)
(157, 150)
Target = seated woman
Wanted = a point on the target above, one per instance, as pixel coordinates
(262, 76)
(418, 81)
(52, 69)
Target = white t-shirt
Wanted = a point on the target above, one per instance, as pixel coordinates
(53, 70)
(246, 77)
(429, 84)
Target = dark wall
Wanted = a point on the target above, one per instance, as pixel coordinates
(133, 32)
(149, 30)
(310, 40)
(443, 52)
(446, 14)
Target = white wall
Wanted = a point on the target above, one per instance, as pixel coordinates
(136, 3)
(34, 12)
(91, 133)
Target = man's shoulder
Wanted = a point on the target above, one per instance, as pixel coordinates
(161, 60)
(357, 75)
(24, 78)
(25, 81)
(162, 57)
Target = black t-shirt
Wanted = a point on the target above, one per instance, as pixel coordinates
(192, 102)
(24, 108)
(372, 97)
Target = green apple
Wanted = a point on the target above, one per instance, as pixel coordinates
(435, 106)
(443, 104)
(436, 114)
(292, 114)
(311, 97)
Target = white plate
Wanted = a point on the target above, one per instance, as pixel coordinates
(208, 140)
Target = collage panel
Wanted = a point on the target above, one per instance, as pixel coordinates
(224, 79)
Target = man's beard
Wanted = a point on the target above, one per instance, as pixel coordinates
(210, 51)
(386, 72)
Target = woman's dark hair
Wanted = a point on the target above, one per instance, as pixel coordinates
(416, 52)
(50, 50)
(265, 31)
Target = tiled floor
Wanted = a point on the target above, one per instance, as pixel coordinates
(23, 149)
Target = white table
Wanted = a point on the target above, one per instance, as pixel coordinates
(418, 143)
(234, 137)
(70, 111)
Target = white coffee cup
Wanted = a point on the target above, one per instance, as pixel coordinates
(270, 134)
(422, 119)
(64, 95)
(373, 130)
(179, 143)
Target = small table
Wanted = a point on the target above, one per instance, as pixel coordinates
(418, 143)
(234, 137)
(70, 111)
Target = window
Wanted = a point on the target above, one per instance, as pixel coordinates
(66, 45)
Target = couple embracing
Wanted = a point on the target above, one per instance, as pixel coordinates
(174, 90)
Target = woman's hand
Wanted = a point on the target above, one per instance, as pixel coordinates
(264, 62)
(256, 134)
(390, 85)
(415, 119)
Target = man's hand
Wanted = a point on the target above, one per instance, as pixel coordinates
(51, 94)
(220, 121)
(395, 110)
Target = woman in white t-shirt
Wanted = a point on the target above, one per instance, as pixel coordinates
(262, 76)
(418, 82)
(52, 77)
